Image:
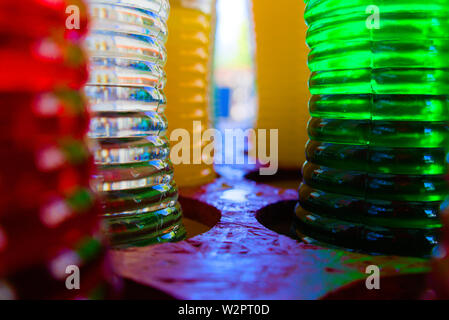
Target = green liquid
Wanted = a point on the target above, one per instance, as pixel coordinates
(377, 158)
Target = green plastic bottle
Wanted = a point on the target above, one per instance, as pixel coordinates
(377, 158)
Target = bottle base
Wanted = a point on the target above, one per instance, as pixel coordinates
(329, 231)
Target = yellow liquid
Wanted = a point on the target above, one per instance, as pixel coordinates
(282, 76)
(190, 49)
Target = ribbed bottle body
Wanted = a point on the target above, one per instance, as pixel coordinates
(189, 68)
(126, 92)
(282, 76)
(376, 165)
(49, 215)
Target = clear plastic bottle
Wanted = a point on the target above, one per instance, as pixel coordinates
(282, 76)
(189, 69)
(127, 49)
(376, 170)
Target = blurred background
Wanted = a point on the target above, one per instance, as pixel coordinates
(234, 71)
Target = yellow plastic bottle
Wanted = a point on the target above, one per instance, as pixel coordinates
(190, 43)
(282, 76)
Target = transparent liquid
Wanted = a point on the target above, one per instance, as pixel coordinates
(127, 49)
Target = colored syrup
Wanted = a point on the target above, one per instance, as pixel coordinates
(127, 46)
(282, 76)
(376, 165)
(48, 212)
(190, 47)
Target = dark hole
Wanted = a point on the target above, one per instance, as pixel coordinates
(286, 179)
(198, 217)
(278, 217)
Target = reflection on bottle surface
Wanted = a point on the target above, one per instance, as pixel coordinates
(135, 176)
(376, 165)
